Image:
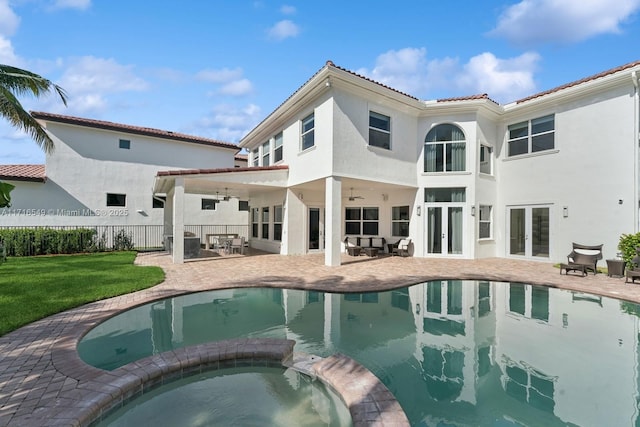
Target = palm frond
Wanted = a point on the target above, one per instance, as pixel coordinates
(21, 82)
(15, 82)
(12, 110)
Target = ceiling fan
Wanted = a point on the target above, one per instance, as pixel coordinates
(352, 197)
(224, 198)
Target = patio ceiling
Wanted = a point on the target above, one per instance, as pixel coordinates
(236, 182)
(244, 183)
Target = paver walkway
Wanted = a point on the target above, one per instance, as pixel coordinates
(40, 368)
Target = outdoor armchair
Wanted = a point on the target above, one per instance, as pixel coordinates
(585, 256)
(402, 249)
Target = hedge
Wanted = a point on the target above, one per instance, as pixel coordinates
(47, 241)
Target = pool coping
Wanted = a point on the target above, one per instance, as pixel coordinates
(368, 400)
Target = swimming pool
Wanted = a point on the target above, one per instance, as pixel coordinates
(452, 352)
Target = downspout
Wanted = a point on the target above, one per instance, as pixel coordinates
(636, 141)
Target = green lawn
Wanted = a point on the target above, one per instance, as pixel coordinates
(32, 288)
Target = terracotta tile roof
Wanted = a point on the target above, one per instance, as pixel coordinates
(241, 157)
(331, 64)
(577, 82)
(328, 64)
(220, 170)
(136, 130)
(33, 173)
(467, 98)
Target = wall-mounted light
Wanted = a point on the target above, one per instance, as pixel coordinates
(418, 211)
(418, 308)
(565, 211)
(620, 201)
(473, 211)
(385, 197)
(300, 196)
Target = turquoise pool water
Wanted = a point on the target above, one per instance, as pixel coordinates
(454, 353)
(270, 397)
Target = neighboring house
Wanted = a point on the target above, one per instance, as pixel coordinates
(101, 173)
(462, 177)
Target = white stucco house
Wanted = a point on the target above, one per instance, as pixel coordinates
(101, 174)
(462, 177)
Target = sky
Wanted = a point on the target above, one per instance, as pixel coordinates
(216, 69)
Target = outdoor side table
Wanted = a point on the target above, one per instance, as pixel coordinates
(615, 267)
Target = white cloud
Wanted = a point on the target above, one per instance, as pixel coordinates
(288, 10)
(72, 4)
(237, 88)
(9, 21)
(283, 29)
(7, 55)
(230, 123)
(409, 70)
(562, 21)
(223, 75)
(89, 81)
(402, 69)
(233, 84)
(502, 79)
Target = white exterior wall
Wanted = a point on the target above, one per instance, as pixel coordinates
(315, 162)
(352, 155)
(590, 170)
(88, 163)
(486, 188)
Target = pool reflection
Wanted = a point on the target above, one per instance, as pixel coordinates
(453, 352)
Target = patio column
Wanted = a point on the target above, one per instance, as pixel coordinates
(167, 213)
(178, 221)
(333, 219)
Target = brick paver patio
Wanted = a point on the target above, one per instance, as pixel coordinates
(42, 377)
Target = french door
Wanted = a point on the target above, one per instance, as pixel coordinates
(528, 231)
(315, 238)
(445, 229)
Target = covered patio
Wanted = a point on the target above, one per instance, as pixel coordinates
(310, 216)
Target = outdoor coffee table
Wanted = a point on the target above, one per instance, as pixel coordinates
(354, 250)
(573, 267)
(371, 251)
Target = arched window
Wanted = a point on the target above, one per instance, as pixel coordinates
(445, 149)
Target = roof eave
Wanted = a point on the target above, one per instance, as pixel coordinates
(572, 92)
(132, 130)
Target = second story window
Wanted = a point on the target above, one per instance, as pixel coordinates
(486, 159)
(445, 149)
(379, 130)
(308, 130)
(118, 200)
(209, 204)
(125, 144)
(531, 136)
(266, 153)
(277, 148)
(255, 158)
